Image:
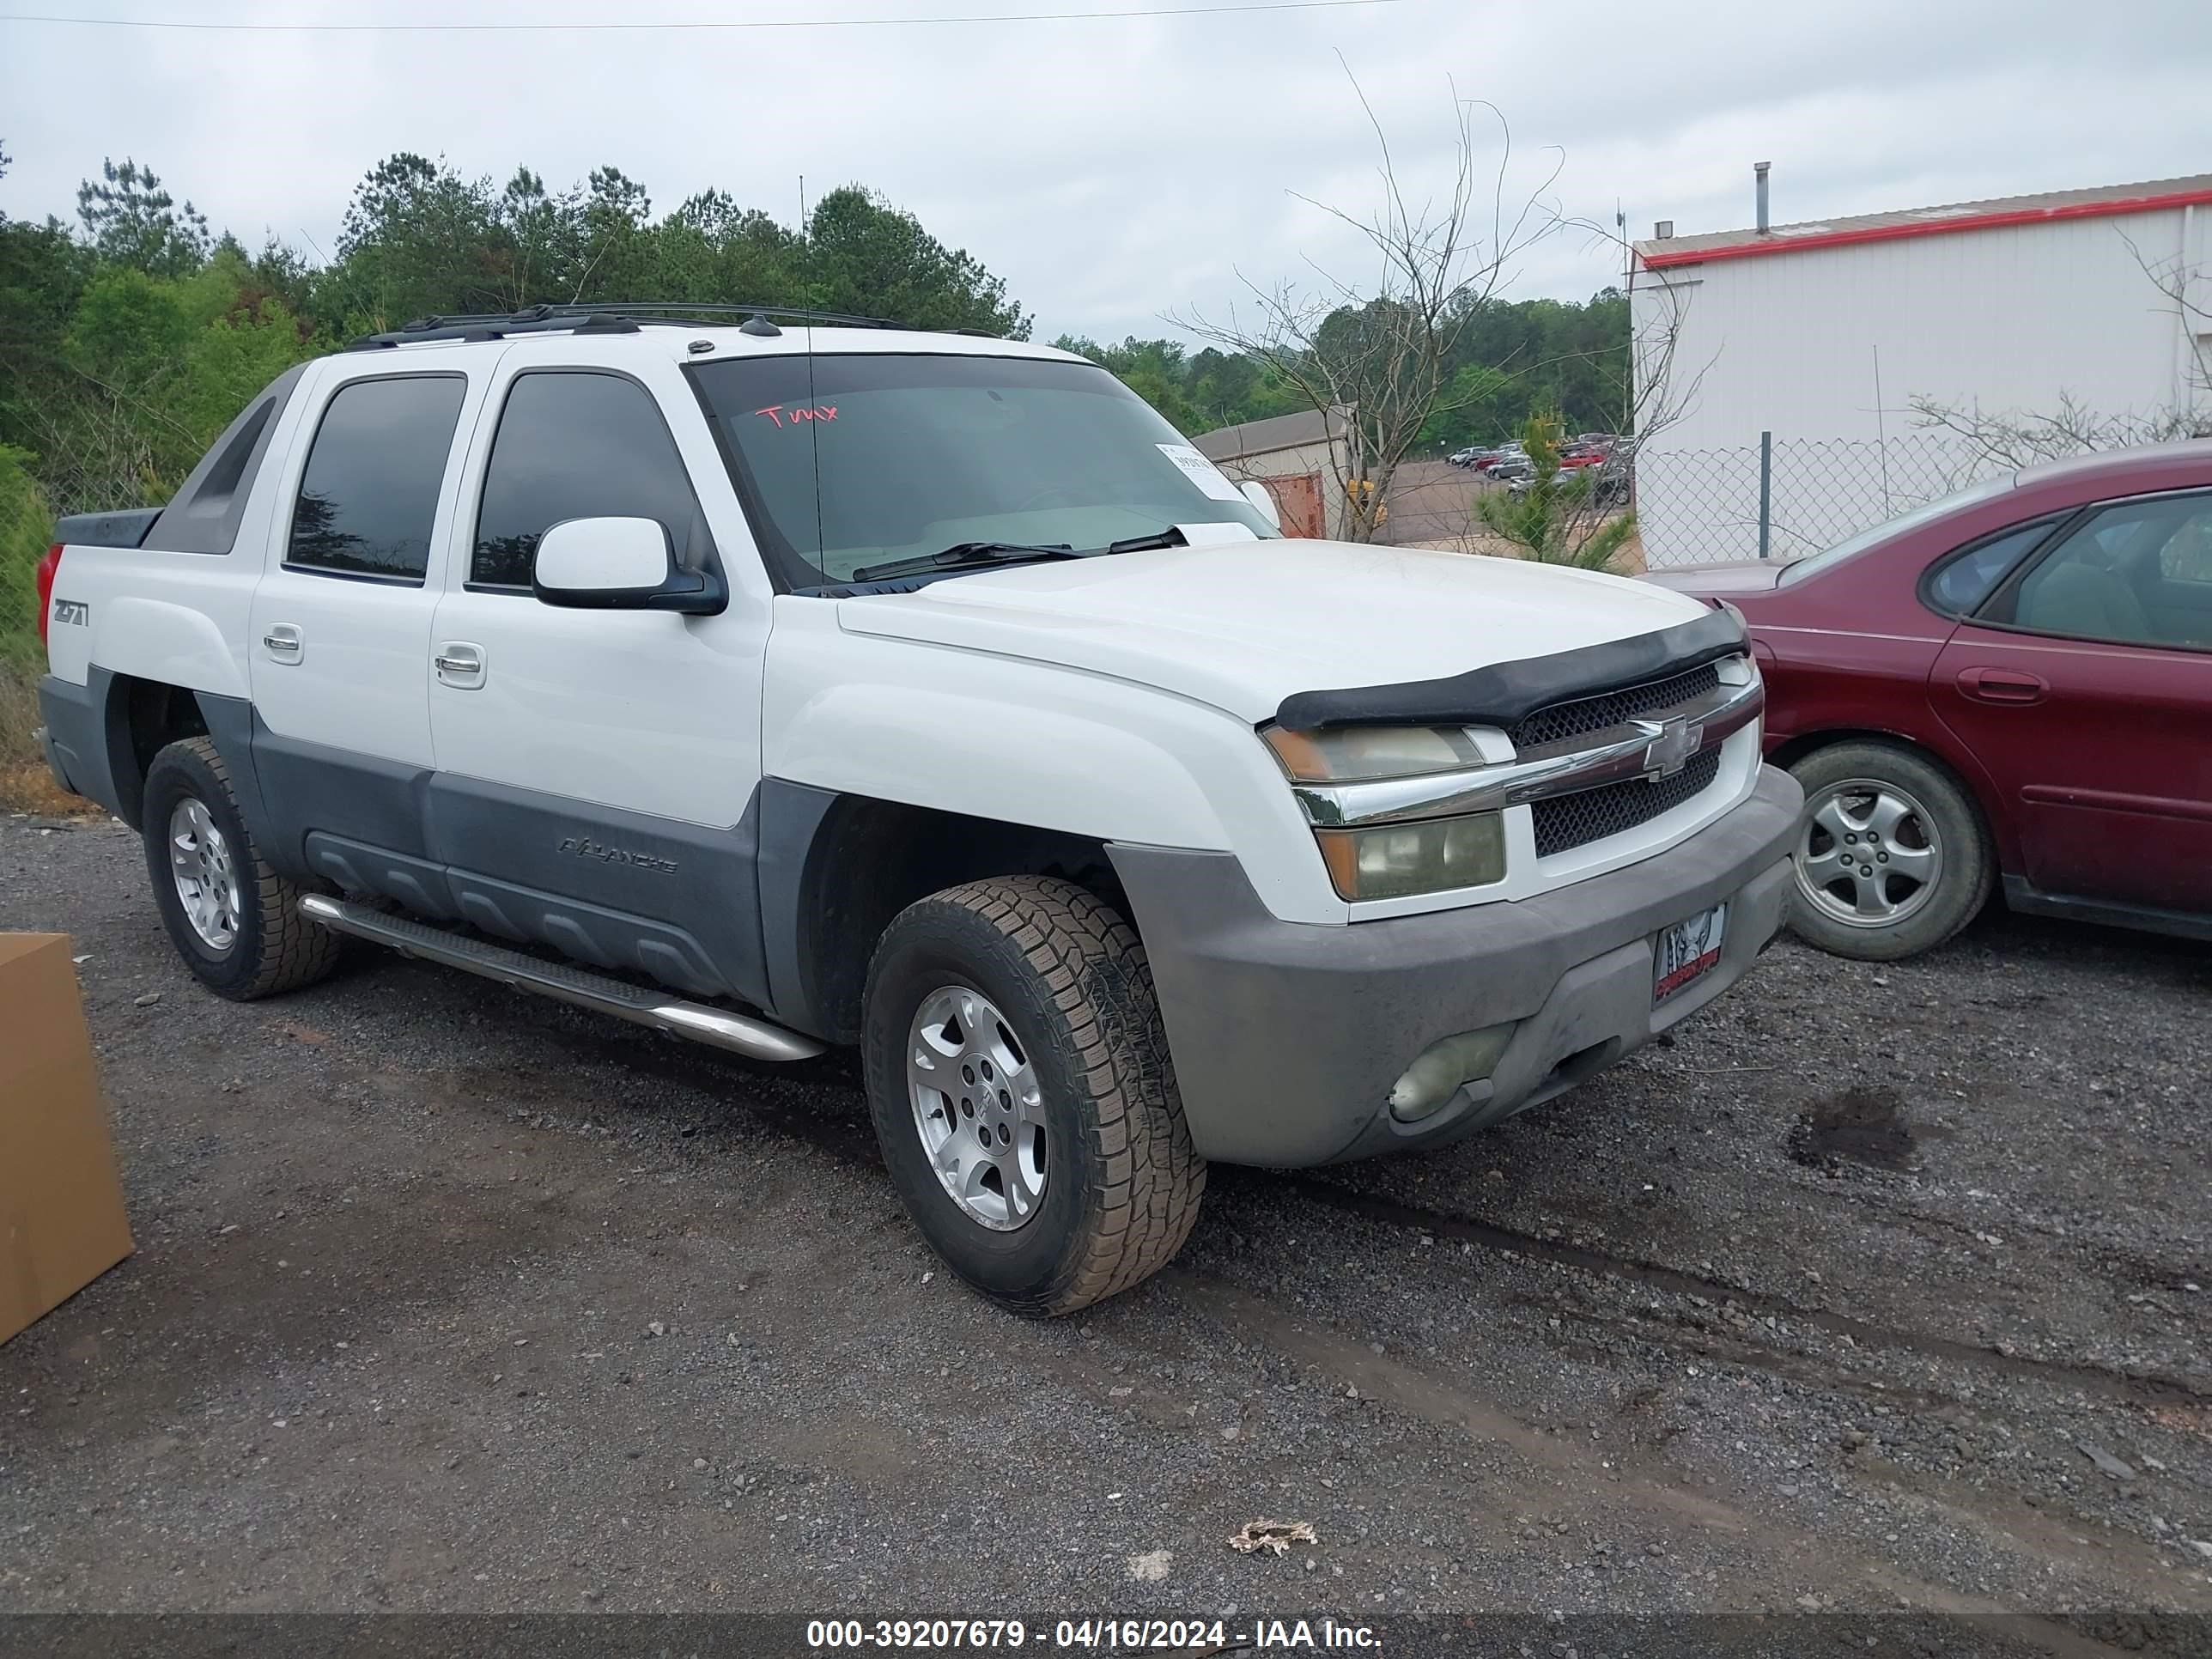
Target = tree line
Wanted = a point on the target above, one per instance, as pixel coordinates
(1514, 360)
(130, 338)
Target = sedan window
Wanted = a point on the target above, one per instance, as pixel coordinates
(1964, 580)
(2130, 574)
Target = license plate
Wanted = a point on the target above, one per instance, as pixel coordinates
(1687, 951)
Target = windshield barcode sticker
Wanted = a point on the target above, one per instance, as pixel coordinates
(1209, 477)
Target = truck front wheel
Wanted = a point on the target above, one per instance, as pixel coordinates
(235, 921)
(1017, 1073)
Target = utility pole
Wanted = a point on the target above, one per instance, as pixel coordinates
(1628, 297)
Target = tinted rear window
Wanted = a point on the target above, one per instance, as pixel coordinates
(369, 495)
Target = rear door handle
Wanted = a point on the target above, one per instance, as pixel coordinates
(2002, 685)
(284, 642)
(460, 664)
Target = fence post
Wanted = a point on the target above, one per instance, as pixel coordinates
(1765, 492)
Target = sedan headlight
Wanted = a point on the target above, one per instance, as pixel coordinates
(1396, 860)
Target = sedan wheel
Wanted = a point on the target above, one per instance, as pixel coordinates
(1892, 856)
(1869, 854)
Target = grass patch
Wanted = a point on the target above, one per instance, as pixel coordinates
(26, 785)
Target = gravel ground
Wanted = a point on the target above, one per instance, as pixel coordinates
(1875, 1287)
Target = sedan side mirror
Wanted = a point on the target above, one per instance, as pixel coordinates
(620, 564)
(1263, 499)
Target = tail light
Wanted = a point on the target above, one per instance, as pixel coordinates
(49, 567)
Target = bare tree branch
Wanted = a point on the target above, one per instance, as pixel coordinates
(1371, 359)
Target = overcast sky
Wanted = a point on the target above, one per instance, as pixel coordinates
(1113, 169)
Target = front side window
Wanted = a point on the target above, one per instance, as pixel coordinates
(368, 495)
(2115, 577)
(575, 444)
(857, 460)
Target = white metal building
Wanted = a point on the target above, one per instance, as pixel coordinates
(1824, 334)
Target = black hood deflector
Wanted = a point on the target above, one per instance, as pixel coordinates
(1507, 693)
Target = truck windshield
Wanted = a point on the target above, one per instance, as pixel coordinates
(858, 460)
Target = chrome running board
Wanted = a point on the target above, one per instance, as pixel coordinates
(739, 1033)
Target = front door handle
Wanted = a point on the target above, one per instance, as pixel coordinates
(2002, 685)
(460, 664)
(284, 642)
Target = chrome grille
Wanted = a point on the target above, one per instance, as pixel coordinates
(1570, 821)
(1562, 721)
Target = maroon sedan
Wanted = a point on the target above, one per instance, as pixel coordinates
(2014, 682)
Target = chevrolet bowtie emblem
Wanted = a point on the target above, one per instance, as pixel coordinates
(1670, 745)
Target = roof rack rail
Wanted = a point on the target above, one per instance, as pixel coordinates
(599, 317)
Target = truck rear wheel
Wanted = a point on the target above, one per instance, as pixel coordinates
(1017, 1073)
(235, 921)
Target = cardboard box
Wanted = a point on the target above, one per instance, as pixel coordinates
(62, 1224)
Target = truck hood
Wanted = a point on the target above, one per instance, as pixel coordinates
(1243, 625)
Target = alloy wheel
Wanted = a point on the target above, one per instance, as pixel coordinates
(200, 863)
(1869, 855)
(977, 1106)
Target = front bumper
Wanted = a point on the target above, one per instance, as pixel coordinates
(1286, 1036)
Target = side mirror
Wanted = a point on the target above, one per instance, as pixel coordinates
(620, 564)
(1262, 498)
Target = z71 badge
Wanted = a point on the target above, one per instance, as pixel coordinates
(74, 612)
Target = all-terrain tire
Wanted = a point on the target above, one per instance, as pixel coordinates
(1945, 817)
(273, 947)
(1066, 974)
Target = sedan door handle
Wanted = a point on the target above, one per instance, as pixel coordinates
(2002, 685)
(460, 664)
(284, 642)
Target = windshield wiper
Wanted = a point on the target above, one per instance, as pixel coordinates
(962, 554)
(1171, 537)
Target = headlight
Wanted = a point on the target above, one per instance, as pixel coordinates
(1396, 860)
(1358, 754)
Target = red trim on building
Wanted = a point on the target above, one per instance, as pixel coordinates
(1931, 226)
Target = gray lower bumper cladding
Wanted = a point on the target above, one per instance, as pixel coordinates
(1287, 1037)
(72, 739)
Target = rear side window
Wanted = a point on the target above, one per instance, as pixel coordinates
(575, 444)
(1959, 585)
(369, 495)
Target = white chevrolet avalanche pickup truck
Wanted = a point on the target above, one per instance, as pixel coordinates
(808, 683)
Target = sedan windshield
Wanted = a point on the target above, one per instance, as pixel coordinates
(861, 460)
(1798, 569)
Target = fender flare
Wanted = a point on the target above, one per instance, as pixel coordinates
(169, 644)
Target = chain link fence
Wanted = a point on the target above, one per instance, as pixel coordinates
(28, 508)
(1783, 497)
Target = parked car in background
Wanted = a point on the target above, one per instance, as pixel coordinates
(1472, 455)
(2012, 683)
(1506, 455)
